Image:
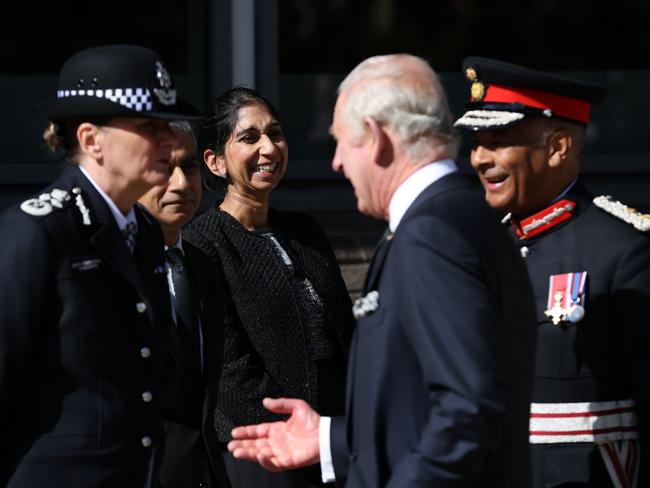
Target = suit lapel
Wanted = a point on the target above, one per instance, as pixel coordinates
(177, 349)
(181, 359)
(377, 263)
(208, 282)
(210, 288)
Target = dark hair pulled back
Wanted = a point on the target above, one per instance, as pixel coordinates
(221, 119)
(61, 136)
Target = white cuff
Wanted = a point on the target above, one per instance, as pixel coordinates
(326, 465)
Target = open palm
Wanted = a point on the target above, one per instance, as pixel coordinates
(282, 445)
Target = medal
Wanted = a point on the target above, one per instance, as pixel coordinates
(575, 313)
(566, 296)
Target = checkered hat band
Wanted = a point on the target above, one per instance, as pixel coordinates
(138, 99)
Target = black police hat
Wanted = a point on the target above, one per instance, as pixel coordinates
(116, 81)
(503, 94)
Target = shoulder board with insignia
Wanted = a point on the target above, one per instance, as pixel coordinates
(45, 203)
(639, 220)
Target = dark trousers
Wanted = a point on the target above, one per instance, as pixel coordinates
(247, 474)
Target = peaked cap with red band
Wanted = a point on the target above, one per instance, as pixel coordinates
(503, 94)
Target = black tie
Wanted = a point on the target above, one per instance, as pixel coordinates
(187, 303)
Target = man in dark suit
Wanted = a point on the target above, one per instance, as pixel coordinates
(440, 370)
(589, 262)
(193, 361)
(84, 304)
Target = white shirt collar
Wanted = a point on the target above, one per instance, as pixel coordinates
(412, 186)
(119, 217)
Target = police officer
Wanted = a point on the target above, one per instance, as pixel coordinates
(589, 262)
(84, 304)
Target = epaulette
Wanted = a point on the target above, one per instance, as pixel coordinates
(45, 203)
(639, 220)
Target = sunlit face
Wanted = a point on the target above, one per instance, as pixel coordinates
(352, 158)
(512, 164)
(173, 204)
(255, 157)
(136, 152)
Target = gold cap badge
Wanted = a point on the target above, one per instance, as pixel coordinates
(477, 91)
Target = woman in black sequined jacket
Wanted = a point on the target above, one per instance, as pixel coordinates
(287, 313)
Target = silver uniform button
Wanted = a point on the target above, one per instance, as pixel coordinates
(145, 352)
(147, 396)
(146, 441)
(524, 252)
(141, 307)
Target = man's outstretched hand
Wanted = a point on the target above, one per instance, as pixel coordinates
(282, 445)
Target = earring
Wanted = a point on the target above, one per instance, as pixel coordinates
(222, 173)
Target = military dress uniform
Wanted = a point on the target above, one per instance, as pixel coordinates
(82, 323)
(589, 263)
(591, 276)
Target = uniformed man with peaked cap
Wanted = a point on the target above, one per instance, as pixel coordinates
(84, 304)
(589, 261)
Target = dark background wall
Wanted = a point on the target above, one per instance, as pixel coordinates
(297, 51)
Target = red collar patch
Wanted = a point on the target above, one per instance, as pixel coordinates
(544, 220)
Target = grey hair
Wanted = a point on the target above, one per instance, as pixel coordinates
(183, 127)
(402, 92)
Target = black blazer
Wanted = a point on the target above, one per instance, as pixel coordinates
(267, 350)
(440, 373)
(82, 325)
(193, 454)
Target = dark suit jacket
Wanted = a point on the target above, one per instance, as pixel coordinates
(82, 324)
(440, 374)
(193, 455)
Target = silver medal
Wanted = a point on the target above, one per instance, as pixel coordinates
(575, 314)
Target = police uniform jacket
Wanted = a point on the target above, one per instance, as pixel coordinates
(82, 323)
(604, 356)
(440, 368)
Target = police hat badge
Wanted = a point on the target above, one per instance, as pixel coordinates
(116, 81)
